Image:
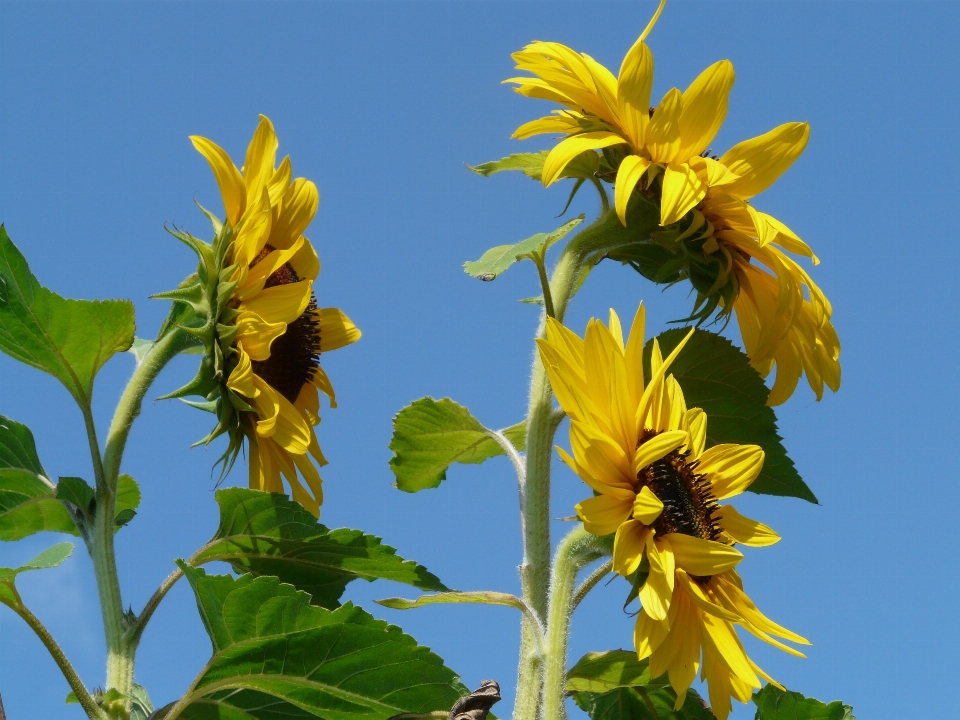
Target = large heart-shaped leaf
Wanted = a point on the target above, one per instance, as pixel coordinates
(70, 339)
(269, 534)
(717, 377)
(430, 435)
(339, 665)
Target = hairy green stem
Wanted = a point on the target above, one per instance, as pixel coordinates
(100, 544)
(590, 583)
(572, 554)
(86, 701)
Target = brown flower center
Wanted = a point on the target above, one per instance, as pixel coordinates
(688, 502)
(295, 355)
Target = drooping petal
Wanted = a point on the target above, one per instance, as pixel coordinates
(229, 179)
(702, 601)
(628, 547)
(628, 175)
(743, 529)
(702, 557)
(648, 634)
(685, 663)
(761, 160)
(682, 190)
(704, 108)
(566, 150)
(656, 594)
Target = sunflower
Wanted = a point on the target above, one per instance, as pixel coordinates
(664, 153)
(658, 488)
(269, 332)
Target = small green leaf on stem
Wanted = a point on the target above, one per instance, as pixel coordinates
(49, 558)
(70, 339)
(430, 435)
(497, 260)
(775, 704)
(530, 164)
(76, 492)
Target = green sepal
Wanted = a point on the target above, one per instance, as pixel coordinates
(209, 406)
(202, 384)
(214, 220)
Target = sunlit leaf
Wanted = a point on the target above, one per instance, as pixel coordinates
(269, 534)
(70, 339)
(495, 261)
(775, 704)
(430, 435)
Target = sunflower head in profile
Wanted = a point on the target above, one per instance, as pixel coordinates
(660, 491)
(252, 305)
(712, 236)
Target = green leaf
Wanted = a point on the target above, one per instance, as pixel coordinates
(483, 597)
(717, 377)
(140, 707)
(340, 665)
(531, 164)
(240, 705)
(429, 435)
(128, 500)
(70, 339)
(495, 261)
(775, 704)
(269, 534)
(17, 448)
(49, 558)
(600, 672)
(614, 685)
(75, 491)
(28, 502)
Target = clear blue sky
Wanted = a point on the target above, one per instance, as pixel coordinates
(382, 104)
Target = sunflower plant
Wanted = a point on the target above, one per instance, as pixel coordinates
(664, 433)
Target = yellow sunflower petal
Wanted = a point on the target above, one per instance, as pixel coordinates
(702, 601)
(566, 150)
(628, 547)
(323, 384)
(731, 468)
(241, 377)
(297, 208)
(761, 160)
(628, 175)
(722, 641)
(657, 592)
(290, 430)
(255, 335)
(603, 514)
(657, 447)
(305, 262)
(633, 92)
(702, 557)
(663, 131)
(682, 190)
(281, 303)
(551, 124)
(600, 475)
(633, 355)
(261, 155)
(696, 424)
(647, 507)
(704, 108)
(685, 663)
(743, 529)
(232, 189)
(257, 276)
(336, 330)
(648, 634)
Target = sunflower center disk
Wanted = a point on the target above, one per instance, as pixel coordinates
(295, 355)
(688, 503)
